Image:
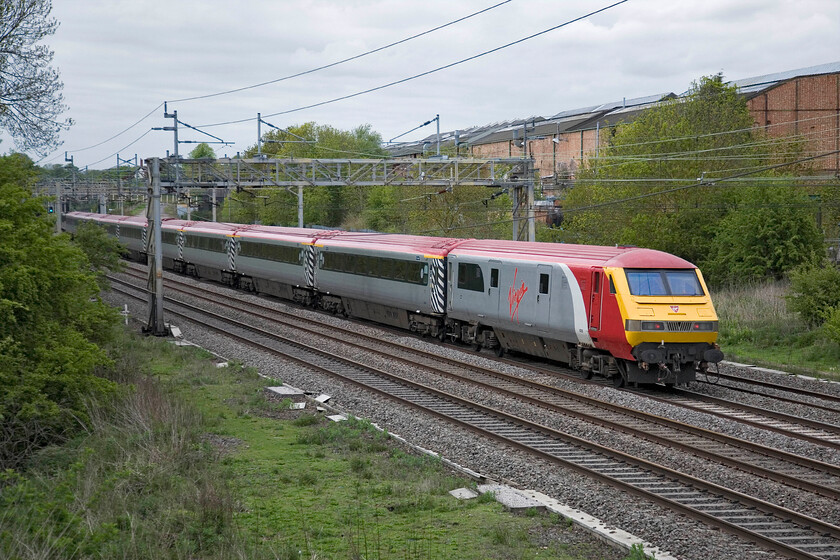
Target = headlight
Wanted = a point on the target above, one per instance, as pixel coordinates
(636, 325)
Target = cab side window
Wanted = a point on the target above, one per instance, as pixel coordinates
(543, 283)
(494, 277)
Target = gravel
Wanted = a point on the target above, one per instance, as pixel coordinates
(670, 531)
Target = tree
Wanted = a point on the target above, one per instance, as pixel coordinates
(656, 182)
(768, 233)
(30, 89)
(52, 323)
(202, 150)
(328, 206)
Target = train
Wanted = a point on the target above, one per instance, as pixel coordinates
(629, 314)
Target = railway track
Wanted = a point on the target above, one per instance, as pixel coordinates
(779, 391)
(777, 528)
(819, 433)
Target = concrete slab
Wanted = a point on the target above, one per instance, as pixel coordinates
(463, 493)
(322, 398)
(511, 498)
(285, 391)
(337, 417)
(609, 535)
(297, 405)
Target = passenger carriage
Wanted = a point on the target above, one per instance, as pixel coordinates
(277, 260)
(397, 280)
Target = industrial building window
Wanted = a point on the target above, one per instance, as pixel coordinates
(470, 277)
(270, 252)
(543, 283)
(494, 277)
(214, 244)
(413, 272)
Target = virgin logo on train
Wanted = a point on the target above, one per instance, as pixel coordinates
(675, 308)
(515, 296)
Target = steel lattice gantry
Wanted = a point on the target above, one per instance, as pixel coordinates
(252, 173)
(516, 174)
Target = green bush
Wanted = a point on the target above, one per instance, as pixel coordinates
(769, 231)
(814, 292)
(52, 324)
(832, 325)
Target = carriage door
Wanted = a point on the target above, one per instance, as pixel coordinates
(595, 302)
(493, 294)
(542, 314)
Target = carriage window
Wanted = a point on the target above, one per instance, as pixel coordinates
(414, 272)
(494, 277)
(215, 244)
(543, 283)
(470, 277)
(132, 232)
(612, 284)
(169, 237)
(271, 252)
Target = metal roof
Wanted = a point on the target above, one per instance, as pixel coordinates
(624, 103)
(605, 114)
(767, 81)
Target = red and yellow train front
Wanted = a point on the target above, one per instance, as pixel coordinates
(658, 315)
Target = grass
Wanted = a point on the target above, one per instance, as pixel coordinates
(756, 327)
(192, 461)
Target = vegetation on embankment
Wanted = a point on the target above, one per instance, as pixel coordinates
(188, 460)
(758, 324)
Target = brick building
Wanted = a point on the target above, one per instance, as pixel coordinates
(804, 102)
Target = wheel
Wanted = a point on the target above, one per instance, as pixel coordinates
(500, 351)
(586, 373)
(619, 381)
(476, 347)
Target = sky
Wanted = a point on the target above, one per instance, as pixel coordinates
(121, 60)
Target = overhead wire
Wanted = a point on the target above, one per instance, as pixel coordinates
(146, 116)
(123, 148)
(422, 74)
(702, 183)
(450, 23)
(332, 64)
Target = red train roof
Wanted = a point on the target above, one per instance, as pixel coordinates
(277, 233)
(581, 255)
(437, 246)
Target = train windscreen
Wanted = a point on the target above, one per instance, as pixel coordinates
(663, 282)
